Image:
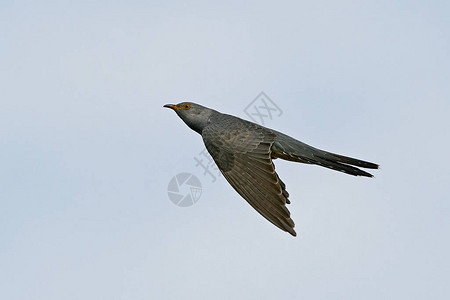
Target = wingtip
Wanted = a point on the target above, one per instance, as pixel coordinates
(365, 175)
(292, 232)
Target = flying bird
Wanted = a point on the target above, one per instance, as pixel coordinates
(244, 153)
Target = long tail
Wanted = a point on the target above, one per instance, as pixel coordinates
(342, 163)
(291, 149)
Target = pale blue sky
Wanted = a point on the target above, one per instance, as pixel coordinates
(87, 151)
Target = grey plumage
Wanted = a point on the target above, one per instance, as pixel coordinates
(244, 152)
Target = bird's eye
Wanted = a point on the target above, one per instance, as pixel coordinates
(186, 106)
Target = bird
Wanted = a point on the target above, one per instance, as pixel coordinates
(244, 153)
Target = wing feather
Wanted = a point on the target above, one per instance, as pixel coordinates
(242, 151)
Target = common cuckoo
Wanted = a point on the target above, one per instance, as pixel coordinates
(244, 153)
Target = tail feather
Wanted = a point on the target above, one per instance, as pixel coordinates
(288, 148)
(352, 161)
(338, 166)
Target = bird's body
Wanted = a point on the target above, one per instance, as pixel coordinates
(244, 153)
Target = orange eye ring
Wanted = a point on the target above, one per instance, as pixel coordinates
(186, 106)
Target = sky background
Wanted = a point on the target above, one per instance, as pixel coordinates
(87, 151)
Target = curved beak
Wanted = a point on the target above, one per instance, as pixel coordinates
(172, 106)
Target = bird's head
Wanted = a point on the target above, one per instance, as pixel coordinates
(194, 115)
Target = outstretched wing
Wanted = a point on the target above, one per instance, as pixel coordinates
(242, 151)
